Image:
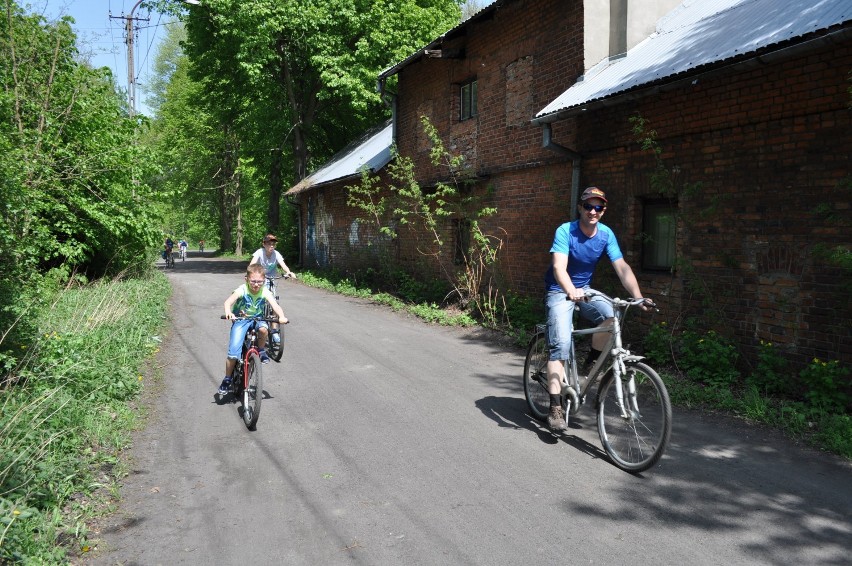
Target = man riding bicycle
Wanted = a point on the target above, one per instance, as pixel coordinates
(577, 248)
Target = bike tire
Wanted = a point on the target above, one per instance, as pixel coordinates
(636, 442)
(273, 350)
(252, 394)
(535, 376)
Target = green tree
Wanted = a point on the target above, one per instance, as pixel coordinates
(69, 164)
(295, 81)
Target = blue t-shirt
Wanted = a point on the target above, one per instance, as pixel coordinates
(583, 253)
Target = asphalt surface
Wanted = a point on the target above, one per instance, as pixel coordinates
(384, 440)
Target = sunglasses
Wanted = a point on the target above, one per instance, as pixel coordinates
(256, 282)
(595, 207)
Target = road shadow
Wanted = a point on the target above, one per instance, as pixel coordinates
(207, 262)
(512, 412)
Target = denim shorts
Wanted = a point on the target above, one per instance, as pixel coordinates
(560, 319)
(238, 334)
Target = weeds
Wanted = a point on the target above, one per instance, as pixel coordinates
(63, 411)
(813, 407)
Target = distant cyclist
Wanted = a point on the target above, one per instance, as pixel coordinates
(182, 245)
(168, 246)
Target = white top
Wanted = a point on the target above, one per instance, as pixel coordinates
(269, 262)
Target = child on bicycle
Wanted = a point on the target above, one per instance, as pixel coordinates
(271, 259)
(248, 300)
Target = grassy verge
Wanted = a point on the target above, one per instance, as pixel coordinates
(65, 413)
(830, 431)
(428, 312)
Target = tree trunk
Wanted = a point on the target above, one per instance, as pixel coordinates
(275, 190)
(239, 211)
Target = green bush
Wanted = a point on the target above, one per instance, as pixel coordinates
(826, 383)
(771, 374)
(835, 434)
(709, 358)
(657, 344)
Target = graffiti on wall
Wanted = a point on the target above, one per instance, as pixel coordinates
(317, 230)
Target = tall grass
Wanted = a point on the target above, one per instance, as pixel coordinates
(64, 412)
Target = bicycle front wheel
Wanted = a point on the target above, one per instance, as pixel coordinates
(635, 435)
(253, 392)
(535, 376)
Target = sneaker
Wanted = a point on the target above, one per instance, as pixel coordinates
(276, 337)
(225, 387)
(556, 419)
(264, 358)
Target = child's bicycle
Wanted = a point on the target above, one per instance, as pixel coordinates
(274, 348)
(634, 413)
(247, 381)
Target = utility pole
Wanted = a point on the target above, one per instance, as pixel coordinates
(131, 70)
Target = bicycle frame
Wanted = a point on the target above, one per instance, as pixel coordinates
(249, 346)
(613, 354)
(633, 441)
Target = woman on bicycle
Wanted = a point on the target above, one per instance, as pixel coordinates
(248, 300)
(577, 248)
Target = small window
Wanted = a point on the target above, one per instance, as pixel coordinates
(461, 235)
(468, 101)
(659, 223)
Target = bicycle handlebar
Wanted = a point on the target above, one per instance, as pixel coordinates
(258, 318)
(616, 302)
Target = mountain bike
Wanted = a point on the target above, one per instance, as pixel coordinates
(247, 380)
(169, 256)
(634, 414)
(274, 349)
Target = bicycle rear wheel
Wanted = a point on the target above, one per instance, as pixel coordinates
(535, 376)
(253, 392)
(634, 440)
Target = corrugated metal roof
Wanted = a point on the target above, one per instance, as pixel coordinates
(699, 33)
(372, 150)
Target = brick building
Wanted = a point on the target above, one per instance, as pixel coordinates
(742, 216)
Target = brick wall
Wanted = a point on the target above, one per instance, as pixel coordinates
(770, 147)
(771, 150)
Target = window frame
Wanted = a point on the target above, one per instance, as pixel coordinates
(468, 105)
(659, 243)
